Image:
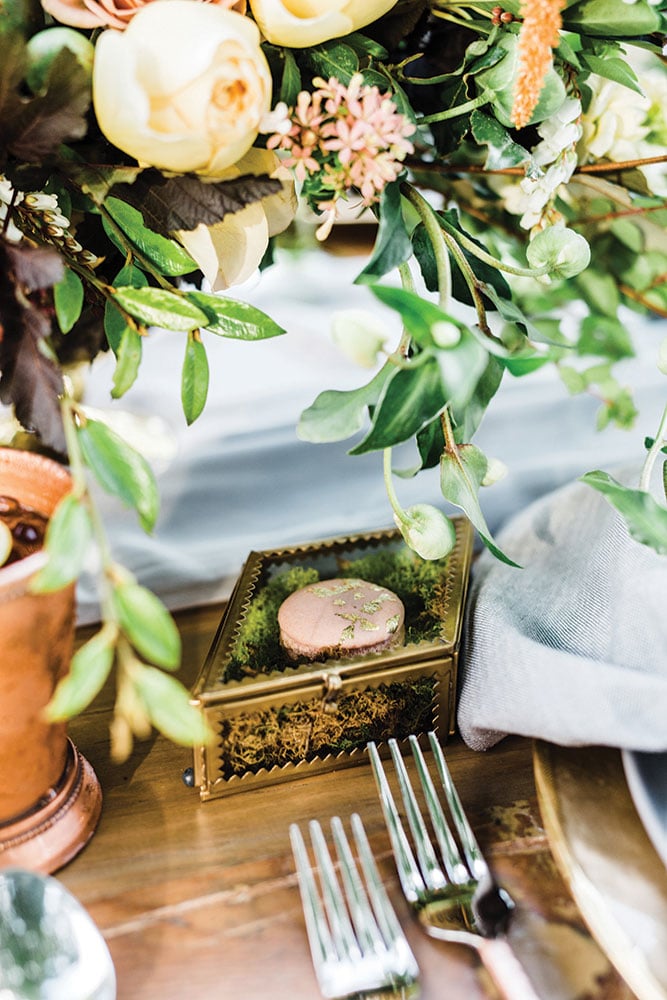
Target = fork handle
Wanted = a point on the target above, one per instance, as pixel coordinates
(505, 969)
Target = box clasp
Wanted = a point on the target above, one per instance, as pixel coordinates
(332, 685)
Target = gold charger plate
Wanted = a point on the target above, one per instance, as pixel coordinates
(607, 859)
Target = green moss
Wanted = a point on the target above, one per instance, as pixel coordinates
(420, 584)
(257, 648)
(308, 729)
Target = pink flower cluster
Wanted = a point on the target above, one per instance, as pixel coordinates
(345, 137)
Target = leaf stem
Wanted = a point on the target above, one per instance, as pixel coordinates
(433, 227)
(130, 248)
(457, 253)
(451, 446)
(460, 109)
(487, 258)
(653, 452)
(389, 485)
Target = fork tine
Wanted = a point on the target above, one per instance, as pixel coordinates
(363, 918)
(454, 866)
(410, 877)
(473, 854)
(428, 863)
(334, 903)
(321, 945)
(384, 911)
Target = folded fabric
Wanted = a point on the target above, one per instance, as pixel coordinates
(572, 647)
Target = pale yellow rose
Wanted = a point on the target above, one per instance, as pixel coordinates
(300, 23)
(111, 13)
(230, 251)
(183, 88)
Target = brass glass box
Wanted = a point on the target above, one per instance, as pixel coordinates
(274, 720)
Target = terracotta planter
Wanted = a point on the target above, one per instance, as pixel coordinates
(50, 799)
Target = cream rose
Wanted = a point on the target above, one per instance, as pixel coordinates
(183, 88)
(230, 251)
(300, 23)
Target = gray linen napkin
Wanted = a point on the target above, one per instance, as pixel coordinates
(571, 648)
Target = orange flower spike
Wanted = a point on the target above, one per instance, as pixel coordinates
(539, 34)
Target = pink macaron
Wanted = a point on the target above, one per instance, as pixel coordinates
(335, 618)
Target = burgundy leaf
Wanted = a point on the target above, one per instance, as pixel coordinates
(30, 381)
(35, 267)
(170, 204)
(34, 127)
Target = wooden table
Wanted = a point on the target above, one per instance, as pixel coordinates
(199, 900)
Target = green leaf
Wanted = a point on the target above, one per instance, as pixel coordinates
(194, 379)
(89, 669)
(610, 19)
(470, 416)
(461, 475)
(503, 151)
(614, 69)
(606, 336)
(646, 520)
(119, 469)
(232, 318)
(290, 84)
(336, 415)
(423, 249)
(115, 323)
(166, 255)
(366, 46)
(392, 244)
(68, 300)
(409, 401)
(511, 312)
(334, 59)
(628, 234)
(128, 361)
(461, 368)
(147, 624)
(96, 180)
(159, 307)
(170, 709)
(68, 537)
(419, 315)
(599, 291)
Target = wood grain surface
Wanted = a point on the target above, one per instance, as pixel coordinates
(199, 900)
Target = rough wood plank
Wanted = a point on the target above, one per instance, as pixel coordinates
(200, 900)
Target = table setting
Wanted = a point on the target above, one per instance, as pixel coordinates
(333, 513)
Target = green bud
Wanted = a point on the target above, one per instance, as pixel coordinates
(564, 252)
(43, 48)
(359, 335)
(446, 334)
(427, 531)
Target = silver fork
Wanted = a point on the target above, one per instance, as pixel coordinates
(455, 897)
(357, 945)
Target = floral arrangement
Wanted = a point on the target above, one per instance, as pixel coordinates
(152, 151)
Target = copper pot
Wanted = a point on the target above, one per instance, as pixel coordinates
(40, 770)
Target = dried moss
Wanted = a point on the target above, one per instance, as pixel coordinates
(420, 584)
(308, 729)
